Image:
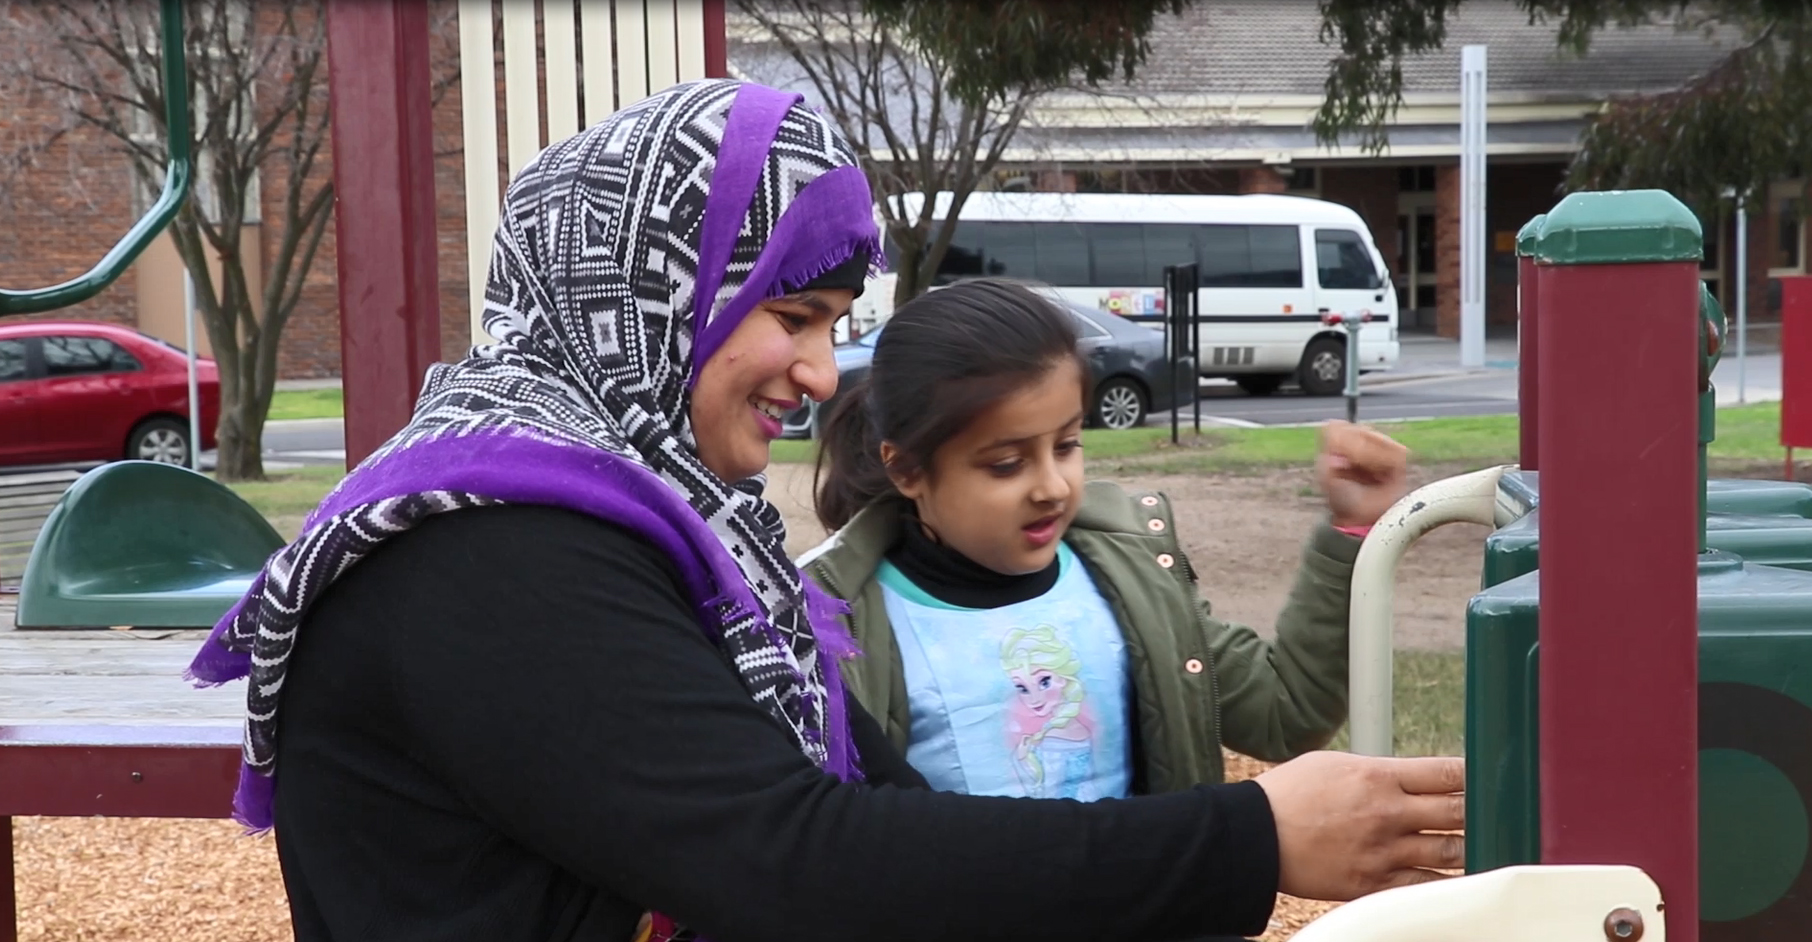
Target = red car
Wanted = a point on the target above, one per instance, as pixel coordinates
(74, 391)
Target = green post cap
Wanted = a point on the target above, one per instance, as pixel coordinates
(1526, 236)
(1619, 227)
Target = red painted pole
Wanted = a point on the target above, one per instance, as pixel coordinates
(1528, 348)
(1796, 365)
(383, 153)
(1619, 494)
(717, 44)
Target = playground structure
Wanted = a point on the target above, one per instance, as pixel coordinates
(1588, 703)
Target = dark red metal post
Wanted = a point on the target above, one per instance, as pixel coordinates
(1619, 355)
(383, 150)
(1796, 365)
(717, 47)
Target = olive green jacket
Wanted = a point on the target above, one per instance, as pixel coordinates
(1197, 682)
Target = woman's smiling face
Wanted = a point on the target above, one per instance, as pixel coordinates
(779, 354)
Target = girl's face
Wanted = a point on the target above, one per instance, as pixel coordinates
(1004, 490)
(779, 354)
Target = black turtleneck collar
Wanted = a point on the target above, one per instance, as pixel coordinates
(955, 579)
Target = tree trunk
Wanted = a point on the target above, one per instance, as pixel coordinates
(241, 442)
(907, 281)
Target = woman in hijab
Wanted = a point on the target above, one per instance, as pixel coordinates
(537, 670)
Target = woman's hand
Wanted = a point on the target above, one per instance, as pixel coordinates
(1350, 825)
(1362, 472)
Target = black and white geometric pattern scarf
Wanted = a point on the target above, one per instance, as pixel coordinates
(623, 258)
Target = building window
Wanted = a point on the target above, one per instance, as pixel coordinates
(1787, 228)
(1416, 179)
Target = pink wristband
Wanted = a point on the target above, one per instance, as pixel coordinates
(1355, 532)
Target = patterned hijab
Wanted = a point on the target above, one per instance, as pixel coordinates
(623, 259)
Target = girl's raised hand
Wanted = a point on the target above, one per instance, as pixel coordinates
(1361, 471)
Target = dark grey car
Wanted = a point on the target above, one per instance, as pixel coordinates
(1131, 374)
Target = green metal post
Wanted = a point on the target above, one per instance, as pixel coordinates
(178, 176)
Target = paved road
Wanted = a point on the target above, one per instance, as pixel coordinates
(1429, 383)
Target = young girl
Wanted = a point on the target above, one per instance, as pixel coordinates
(1028, 634)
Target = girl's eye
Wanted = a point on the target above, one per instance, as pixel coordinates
(794, 322)
(1004, 469)
(1070, 447)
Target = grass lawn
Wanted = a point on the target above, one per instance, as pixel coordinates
(1749, 433)
(306, 404)
(1429, 706)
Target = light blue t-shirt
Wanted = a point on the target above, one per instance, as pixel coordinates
(1026, 700)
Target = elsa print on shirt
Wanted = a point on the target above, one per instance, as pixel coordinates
(1049, 726)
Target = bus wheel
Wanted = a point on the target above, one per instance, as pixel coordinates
(1323, 370)
(1261, 384)
(1119, 404)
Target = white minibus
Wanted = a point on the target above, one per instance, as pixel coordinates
(1269, 267)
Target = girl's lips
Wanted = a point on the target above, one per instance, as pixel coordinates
(1042, 532)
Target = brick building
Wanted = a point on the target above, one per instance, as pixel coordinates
(1225, 101)
(1223, 105)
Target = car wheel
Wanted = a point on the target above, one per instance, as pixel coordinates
(1119, 404)
(1323, 371)
(1260, 384)
(165, 441)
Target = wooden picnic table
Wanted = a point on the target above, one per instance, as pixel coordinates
(102, 723)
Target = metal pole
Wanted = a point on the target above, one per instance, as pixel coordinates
(1472, 207)
(1742, 301)
(1194, 373)
(1174, 341)
(188, 326)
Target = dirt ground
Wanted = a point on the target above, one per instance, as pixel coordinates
(126, 880)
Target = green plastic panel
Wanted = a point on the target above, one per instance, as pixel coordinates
(143, 544)
(1525, 237)
(1766, 522)
(1755, 735)
(1619, 227)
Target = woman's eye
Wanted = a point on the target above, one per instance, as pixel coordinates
(795, 322)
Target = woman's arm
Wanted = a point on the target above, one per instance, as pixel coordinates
(554, 676)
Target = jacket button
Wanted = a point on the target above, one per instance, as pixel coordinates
(1157, 526)
(1193, 665)
(1166, 560)
(1149, 501)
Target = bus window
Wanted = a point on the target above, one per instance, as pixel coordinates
(964, 257)
(1062, 254)
(1276, 257)
(1249, 257)
(1341, 260)
(1225, 259)
(1119, 254)
(1009, 249)
(1166, 244)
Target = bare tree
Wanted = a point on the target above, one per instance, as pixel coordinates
(258, 104)
(931, 92)
(257, 93)
(892, 104)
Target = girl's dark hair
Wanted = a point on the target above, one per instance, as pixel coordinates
(944, 358)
